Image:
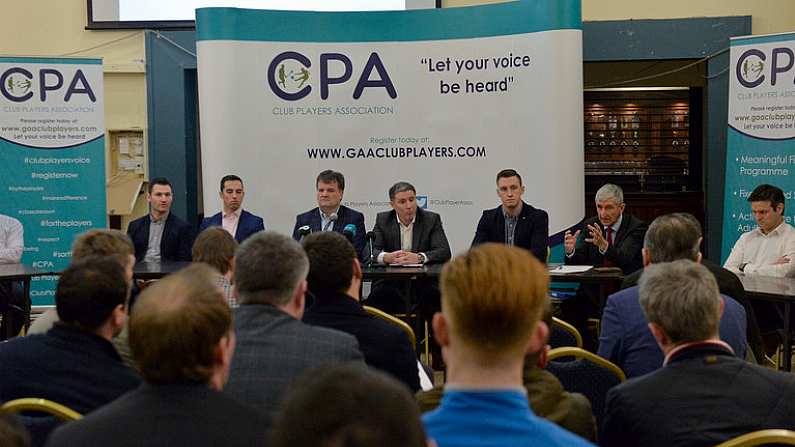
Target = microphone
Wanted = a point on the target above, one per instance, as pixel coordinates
(303, 231)
(349, 232)
(370, 236)
(330, 224)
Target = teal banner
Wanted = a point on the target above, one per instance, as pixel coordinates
(52, 157)
(761, 128)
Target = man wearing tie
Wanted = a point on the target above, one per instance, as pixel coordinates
(613, 239)
(330, 214)
(234, 219)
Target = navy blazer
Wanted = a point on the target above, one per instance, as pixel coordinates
(531, 233)
(175, 245)
(704, 396)
(384, 345)
(345, 216)
(246, 226)
(624, 252)
(427, 236)
(626, 340)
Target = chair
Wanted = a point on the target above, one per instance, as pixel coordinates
(393, 320)
(40, 427)
(587, 374)
(563, 334)
(761, 437)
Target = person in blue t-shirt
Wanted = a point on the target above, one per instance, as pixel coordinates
(493, 297)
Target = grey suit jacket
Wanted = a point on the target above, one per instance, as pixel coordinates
(273, 349)
(427, 236)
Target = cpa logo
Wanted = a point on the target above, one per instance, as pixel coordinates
(422, 202)
(18, 85)
(752, 68)
(289, 76)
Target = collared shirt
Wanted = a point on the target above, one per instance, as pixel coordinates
(616, 225)
(230, 220)
(155, 236)
(684, 346)
(406, 238)
(326, 224)
(12, 241)
(759, 252)
(510, 223)
(226, 289)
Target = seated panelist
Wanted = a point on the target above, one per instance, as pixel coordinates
(234, 219)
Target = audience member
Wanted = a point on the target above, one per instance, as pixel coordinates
(614, 239)
(182, 339)
(238, 222)
(514, 222)
(348, 406)
(273, 345)
(334, 279)
(216, 248)
(12, 244)
(703, 395)
(160, 235)
(12, 432)
(548, 399)
(330, 214)
(493, 297)
(74, 363)
(625, 338)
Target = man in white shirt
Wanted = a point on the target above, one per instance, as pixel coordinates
(12, 244)
(769, 249)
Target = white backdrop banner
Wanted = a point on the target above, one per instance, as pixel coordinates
(441, 98)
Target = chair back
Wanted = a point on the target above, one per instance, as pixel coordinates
(761, 437)
(587, 374)
(563, 334)
(393, 320)
(40, 426)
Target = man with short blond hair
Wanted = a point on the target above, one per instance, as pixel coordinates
(182, 338)
(493, 297)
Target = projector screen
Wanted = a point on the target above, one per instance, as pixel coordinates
(181, 13)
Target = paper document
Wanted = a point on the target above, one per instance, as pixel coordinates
(405, 265)
(565, 269)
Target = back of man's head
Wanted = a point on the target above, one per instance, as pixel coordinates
(216, 248)
(89, 290)
(348, 406)
(681, 298)
(331, 259)
(103, 242)
(492, 297)
(268, 268)
(177, 325)
(673, 236)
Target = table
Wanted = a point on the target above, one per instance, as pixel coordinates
(157, 270)
(780, 291)
(20, 272)
(603, 277)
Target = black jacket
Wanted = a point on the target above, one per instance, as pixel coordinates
(175, 245)
(624, 252)
(531, 233)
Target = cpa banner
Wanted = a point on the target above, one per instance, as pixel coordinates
(441, 98)
(52, 149)
(761, 139)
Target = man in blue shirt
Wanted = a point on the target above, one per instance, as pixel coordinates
(493, 297)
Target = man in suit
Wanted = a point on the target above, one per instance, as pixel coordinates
(273, 345)
(182, 339)
(625, 339)
(614, 239)
(679, 226)
(160, 235)
(12, 301)
(335, 277)
(703, 395)
(493, 297)
(514, 222)
(330, 214)
(233, 218)
(74, 363)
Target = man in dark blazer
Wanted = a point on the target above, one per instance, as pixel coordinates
(233, 218)
(703, 395)
(181, 401)
(160, 235)
(273, 346)
(330, 214)
(680, 238)
(514, 222)
(335, 277)
(613, 238)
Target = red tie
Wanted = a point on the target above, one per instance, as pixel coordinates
(605, 262)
